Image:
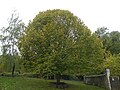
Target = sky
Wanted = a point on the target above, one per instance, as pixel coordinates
(94, 13)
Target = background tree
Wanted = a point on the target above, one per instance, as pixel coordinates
(103, 34)
(114, 46)
(111, 44)
(101, 31)
(111, 40)
(55, 41)
(113, 63)
(10, 36)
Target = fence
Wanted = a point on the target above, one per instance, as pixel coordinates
(103, 80)
(97, 80)
(115, 83)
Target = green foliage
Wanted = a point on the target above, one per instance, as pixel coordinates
(1, 66)
(114, 47)
(111, 40)
(6, 63)
(90, 55)
(111, 43)
(113, 63)
(48, 40)
(57, 42)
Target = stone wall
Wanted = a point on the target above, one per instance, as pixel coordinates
(97, 80)
(102, 81)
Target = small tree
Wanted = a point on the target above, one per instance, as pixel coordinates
(10, 36)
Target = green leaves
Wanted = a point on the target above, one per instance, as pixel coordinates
(113, 63)
(111, 40)
(89, 54)
(111, 44)
(57, 42)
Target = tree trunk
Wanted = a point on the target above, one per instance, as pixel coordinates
(58, 80)
(13, 70)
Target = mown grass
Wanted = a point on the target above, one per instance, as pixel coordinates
(23, 83)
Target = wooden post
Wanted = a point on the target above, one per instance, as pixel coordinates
(108, 79)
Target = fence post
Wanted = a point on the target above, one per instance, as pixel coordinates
(108, 78)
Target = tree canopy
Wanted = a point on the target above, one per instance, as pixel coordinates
(57, 42)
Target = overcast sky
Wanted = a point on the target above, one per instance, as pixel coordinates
(94, 13)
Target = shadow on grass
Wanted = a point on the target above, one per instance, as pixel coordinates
(61, 85)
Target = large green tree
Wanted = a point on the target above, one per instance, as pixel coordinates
(57, 42)
(9, 39)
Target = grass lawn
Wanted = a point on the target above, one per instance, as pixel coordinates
(23, 83)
